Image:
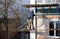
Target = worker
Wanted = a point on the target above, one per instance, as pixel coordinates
(31, 18)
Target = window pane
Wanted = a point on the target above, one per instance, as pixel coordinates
(52, 1)
(58, 1)
(39, 9)
(58, 24)
(39, 1)
(58, 10)
(47, 1)
(51, 32)
(46, 9)
(53, 10)
(57, 32)
(51, 25)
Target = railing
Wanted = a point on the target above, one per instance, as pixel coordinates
(27, 25)
(24, 25)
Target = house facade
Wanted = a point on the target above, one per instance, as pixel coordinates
(47, 19)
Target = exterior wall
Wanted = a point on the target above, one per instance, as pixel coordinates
(43, 23)
(43, 26)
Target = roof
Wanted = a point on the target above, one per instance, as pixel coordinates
(40, 5)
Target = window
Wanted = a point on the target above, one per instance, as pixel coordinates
(53, 10)
(51, 32)
(48, 10)
(47, 1)
(55, 26)
(52, 1)
(58, 1)
(51, 26)
(57, 32)
(58, 27)
(39, 1)
(58, 10)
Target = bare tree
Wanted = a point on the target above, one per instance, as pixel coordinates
(7, 8)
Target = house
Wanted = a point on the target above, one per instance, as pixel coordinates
(47, 19)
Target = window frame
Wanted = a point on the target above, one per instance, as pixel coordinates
(55, 33)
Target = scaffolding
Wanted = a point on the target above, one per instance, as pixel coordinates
(44, 15)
